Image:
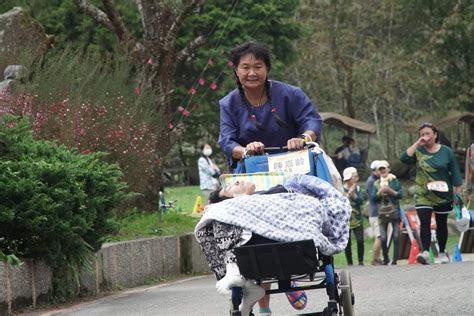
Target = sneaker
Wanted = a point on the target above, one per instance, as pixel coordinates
(423, 257)
(443, 257)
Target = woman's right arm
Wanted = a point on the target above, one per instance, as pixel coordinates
(408, 156)
(412, 149)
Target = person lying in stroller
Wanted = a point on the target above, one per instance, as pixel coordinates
(305, 207)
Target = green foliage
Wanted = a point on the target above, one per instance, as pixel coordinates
(70, 27)
(72, 100)
(10, 259)
(56, 203)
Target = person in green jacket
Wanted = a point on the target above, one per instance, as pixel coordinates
(437, 177)
(354, 194)
(387, 194)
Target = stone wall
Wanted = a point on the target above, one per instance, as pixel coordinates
(116, 266)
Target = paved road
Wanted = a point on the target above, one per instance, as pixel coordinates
(382, 290)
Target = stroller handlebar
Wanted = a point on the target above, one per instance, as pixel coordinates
(268, 150)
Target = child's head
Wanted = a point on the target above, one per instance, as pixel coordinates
(350, 175)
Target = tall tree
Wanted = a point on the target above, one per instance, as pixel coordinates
(157, 57)
(364, 64)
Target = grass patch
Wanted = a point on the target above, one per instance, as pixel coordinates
(141, 225)
(185, 197)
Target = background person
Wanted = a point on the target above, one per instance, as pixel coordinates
(353, 192)
(437, 172)
(339, 161)
(387, 193)
(209, 172)
(263, 113)
(373, 213)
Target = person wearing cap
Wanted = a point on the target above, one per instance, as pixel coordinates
(437, 179)
(373, 214)
(354, 194)
(387, 193)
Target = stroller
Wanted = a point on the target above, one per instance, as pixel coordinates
(284, 262)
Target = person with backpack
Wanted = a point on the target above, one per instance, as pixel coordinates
(387, 194)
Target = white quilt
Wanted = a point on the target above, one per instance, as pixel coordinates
(312, 209)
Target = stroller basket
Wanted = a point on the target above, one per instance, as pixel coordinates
(277, 260)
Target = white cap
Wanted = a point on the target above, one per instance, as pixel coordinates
(374, 164)
(383, 163)
(348, 173)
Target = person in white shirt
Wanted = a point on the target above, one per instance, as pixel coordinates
(209, 172)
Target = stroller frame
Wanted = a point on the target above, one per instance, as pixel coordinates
(291, 261)
(283, 262)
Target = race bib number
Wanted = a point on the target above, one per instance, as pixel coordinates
(291, 163)
(439, 186)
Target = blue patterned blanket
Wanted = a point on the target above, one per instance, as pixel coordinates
(312, 209)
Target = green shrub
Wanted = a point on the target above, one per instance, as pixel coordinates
(55, 202)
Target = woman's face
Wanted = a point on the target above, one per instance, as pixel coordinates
(238, 188)
(428, 135)
(252, 72)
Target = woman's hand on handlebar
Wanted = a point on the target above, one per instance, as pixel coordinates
(295, 144)
(254, 148)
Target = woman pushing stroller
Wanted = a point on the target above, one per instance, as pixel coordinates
(306, 207)
(263, 113)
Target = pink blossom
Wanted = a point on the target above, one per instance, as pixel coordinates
(192, 91)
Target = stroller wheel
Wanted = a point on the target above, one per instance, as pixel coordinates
(347, 296)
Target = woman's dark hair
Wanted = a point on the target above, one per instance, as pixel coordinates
(261, 52)
(214, 197)
(433, 128)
